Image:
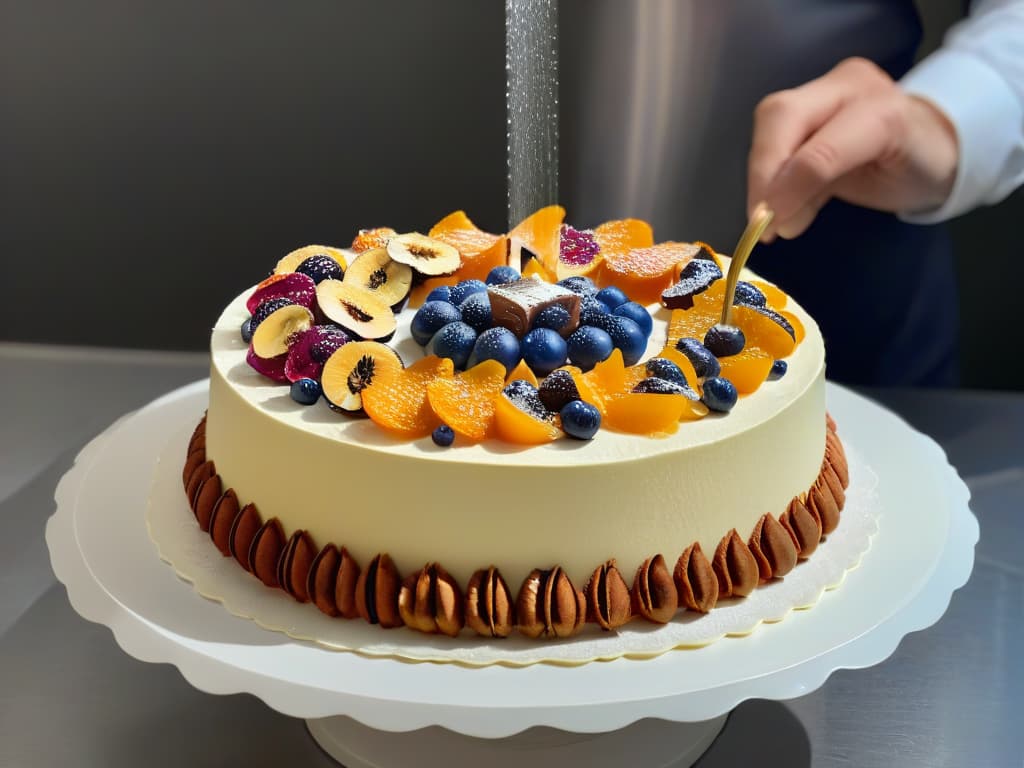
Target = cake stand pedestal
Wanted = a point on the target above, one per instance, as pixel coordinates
(662, 711)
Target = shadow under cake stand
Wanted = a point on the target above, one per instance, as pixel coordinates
(663, 711)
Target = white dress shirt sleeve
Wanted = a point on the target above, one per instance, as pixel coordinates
(977, 79)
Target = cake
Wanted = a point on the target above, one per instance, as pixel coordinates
(639, 520)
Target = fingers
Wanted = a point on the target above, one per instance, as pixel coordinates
(862, 132)
(806, 138)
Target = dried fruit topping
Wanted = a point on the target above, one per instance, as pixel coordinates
(290, 262)
(321, 267)
(396, 398)
(608, 598)
(426, 255)
(274, 334)
(539, 234)
(549, 605)
(489, 604)
(289, 285)
(356, 310)
(578, 252)
(272, 368)
(367, 239)
(310, 349)
(654, 592)
(696, 277)
(644, 273)
(430, 601)
(481, 251)
(378, 273)
(352, 368)
(521, 417)
(467, 401)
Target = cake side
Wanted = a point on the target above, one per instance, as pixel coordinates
(572, 504)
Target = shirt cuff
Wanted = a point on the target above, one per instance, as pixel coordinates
(987, 118)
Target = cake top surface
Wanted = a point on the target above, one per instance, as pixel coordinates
(228, 360)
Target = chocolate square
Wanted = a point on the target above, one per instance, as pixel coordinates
(516, 305)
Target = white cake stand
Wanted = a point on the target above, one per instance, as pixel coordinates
(375, 712)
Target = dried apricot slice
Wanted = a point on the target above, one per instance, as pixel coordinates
(798, 326)
(517, 426)
(761, 331)
(368, 239)
(645, 414)
(747, 370)
(607, 378)
(466, 402)
(524, 372)
(396, 400)
(693, 322)
(541, 234)
(617, 238)
(643, 273)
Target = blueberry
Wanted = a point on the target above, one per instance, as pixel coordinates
(525, 397)
(749, 294)
(265, 310)
(461, 290)
(496, 344)
(321, 267)
(664, 368)
(305, 391)
(443, 436)
(626, 336)
(555, 317)
(724, 340)
(580, 419)
(543, 350)
(432, 317)
(638, 314)
(558, 390)
(612, 296)
(588, 346)
(704, 363)
(779, 368)
(579, 284)
(455, 340)
(591, 309)
(247, 330)
(502, 275)
(441, 293)
(476, 311)
(719, 394)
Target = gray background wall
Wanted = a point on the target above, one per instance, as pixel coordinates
(156, 156)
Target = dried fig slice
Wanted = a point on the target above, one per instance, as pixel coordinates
(426, 255)
(352, 368)
(361, 312)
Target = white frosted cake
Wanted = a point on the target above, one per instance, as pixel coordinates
(349, 512)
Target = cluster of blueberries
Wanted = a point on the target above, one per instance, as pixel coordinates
(456, 322)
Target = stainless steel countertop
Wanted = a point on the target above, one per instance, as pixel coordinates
(951, 695)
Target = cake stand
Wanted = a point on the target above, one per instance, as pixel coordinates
(376, 712)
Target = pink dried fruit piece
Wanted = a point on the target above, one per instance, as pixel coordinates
(272, 368)
(296, 286)
(311, 349)
(578, 252)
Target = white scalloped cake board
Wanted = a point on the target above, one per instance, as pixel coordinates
(194, 558)
(101, 551)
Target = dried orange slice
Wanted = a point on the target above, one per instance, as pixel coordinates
(466, 402)
(540, 234)
(619, 237)
(643, 273)
(368, 239)
(396, 400)
(606, 379)
(693, 322)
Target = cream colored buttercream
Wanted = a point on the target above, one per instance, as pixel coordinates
(570, 503)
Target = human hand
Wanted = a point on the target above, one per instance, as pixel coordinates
(852, 134)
